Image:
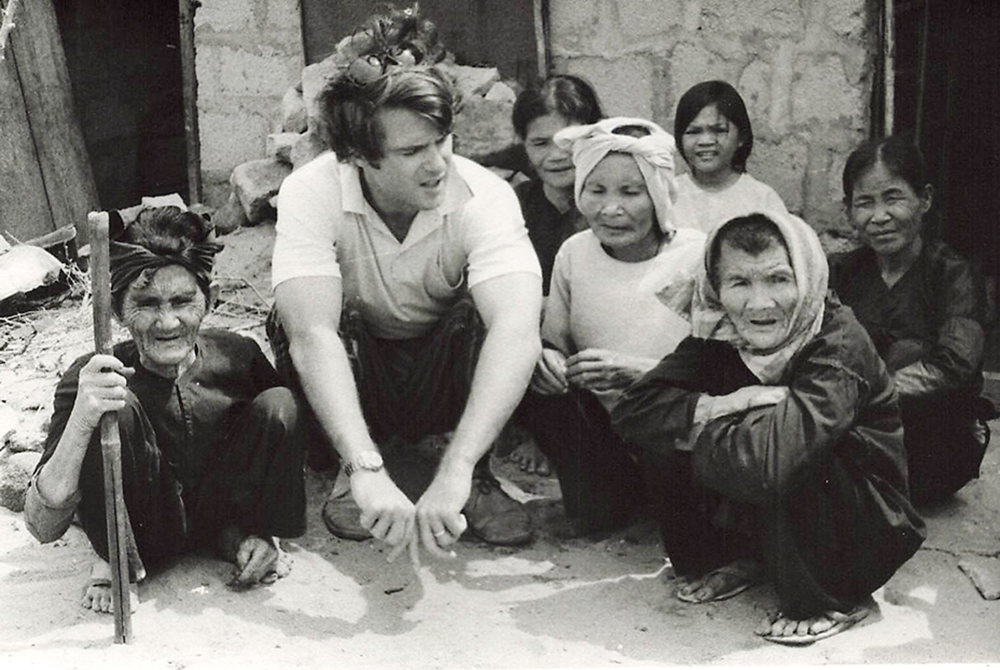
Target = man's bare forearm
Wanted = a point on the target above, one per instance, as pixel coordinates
(328, 381)
(506, 361)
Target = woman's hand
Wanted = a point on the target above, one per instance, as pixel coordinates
(101, 389)
(549, 377)
(604, 370)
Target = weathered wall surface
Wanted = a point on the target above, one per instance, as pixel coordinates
(804, 68)
(248, 52)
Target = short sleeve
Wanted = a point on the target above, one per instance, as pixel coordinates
(309, 215)
(497, 239)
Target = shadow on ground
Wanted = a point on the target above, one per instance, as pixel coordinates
(556, 603)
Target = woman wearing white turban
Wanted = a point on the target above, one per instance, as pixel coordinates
(603, 326)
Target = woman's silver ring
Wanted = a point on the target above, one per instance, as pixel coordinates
(440, 533)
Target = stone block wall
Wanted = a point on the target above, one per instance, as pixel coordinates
(804, 68)
(247, 52)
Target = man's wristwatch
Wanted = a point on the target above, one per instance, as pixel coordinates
(366, 460)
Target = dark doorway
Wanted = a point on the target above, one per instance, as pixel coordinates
(947, 96)
(124, 63)
(478, 32)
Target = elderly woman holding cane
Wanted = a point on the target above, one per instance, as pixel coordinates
(604, 326)
(771, 439)
(210, 452)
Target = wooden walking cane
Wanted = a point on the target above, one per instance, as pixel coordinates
(111, 446)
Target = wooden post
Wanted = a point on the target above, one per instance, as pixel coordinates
(111, 447)
(889, 69)
(190, 84)
(48, 100)
(543, 48)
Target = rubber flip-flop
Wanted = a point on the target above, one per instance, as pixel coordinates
(858, 613)
(748, 576)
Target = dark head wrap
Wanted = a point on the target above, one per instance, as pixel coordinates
(129, 261)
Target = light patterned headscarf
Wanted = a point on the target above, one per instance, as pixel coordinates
(654, 154)
(709, 319)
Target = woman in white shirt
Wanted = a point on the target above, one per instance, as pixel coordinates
(604, 326)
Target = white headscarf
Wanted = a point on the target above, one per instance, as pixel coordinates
(709, 319)
(654, 154)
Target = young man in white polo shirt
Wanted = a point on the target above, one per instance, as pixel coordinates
(380, 251)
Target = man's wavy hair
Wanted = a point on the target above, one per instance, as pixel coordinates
(389, 62)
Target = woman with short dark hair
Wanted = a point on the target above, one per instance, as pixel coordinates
(550, 212)
(715, 138)
(924, 308)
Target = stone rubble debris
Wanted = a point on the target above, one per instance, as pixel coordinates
(984, 573)
(483, 132)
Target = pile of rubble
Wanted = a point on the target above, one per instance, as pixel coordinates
(483, 132)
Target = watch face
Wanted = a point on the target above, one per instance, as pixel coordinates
(369, 460)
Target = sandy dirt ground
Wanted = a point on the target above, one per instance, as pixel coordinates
(553, 604)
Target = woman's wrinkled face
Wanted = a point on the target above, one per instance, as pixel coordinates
(617, 206)
(758, 293)
(163, 313)
(554, 166)
(709, 142)
(886, 211)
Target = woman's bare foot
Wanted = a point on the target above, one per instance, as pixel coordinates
(97, 592)
(530, 458)
(258, 560)
(722, 583)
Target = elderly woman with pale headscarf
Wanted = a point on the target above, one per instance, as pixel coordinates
(210, 448)
(603, 325)
(771, 439)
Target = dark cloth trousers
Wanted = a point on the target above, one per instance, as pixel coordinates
(599, 479)
(410, 388)
(252, 480)
(821, 547)
(944, 447)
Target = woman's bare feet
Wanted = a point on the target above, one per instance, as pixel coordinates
(530, 458)
(785, 630)
(97, 592)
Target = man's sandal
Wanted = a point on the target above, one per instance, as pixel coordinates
(843, 621)
(738, 576)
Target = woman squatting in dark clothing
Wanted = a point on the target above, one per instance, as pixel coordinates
(771, 440)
